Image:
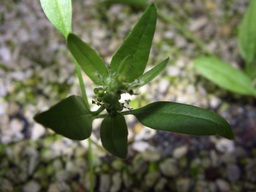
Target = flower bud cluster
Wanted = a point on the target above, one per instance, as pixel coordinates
(110, 93)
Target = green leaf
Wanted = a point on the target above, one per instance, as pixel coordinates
(224, 75)
(152, 73)
(137, 46)
(114, 134)
(59, 12)
(247, 34)
(91, 63)
(182, 118)
(69, 118)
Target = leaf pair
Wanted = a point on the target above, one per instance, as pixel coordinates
(131, 58)
(73, 120)
(164, 116)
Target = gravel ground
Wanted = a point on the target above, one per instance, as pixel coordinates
(36, 71)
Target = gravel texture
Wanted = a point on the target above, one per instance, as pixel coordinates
(36, 71)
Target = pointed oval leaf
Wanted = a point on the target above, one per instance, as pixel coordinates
(182, 118)
(69, 118)
(59, 13)
(247, 34)
(152, 73)
(91, 63)
(114, 134)
(137, 45)
(224, 75)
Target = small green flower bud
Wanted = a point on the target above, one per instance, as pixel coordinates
(121, 78)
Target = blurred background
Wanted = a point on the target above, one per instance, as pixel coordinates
(36, 71)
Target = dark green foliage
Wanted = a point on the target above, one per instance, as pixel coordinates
(113, 134)
(91, 63)
(182, 118)
(134, 52)
(72, 117)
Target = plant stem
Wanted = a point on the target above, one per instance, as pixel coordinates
(90, 155)
(185, 32)
(95, 113)
(81, 83)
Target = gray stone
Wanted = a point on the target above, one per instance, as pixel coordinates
(233, 172)
(160, 184)
(206, 162)
(127, 179)
(116, 182)
(225, 146)
(62, 175)
(227, 158)
(12, 108)
(180, 41)
(104, 182)
(6, 185)
(117, 164)
(214, 158)
(151, 179)
(37, 131)
(63, 186)
(183, 185)
(240, 152)
(180, 151)
(169, 167)
(198, 23)
(173, 71)
(151, 156)
(145, 134)
(57, 164)
(212, 187)
(140, 146)
(53, 188)
(201, 186)
(5, 54)
(139, 166)
(251, 170)
(214, 102)
(164, 84)
(33, 163)
(223, 185)
(31, 186)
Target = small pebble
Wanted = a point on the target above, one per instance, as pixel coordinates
(233, 172)
(223, 185)
(169, 167)
(31, 186)
(180, 152)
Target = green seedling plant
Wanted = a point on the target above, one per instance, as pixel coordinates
(72, 117)
(228, 77)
